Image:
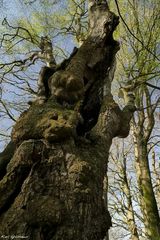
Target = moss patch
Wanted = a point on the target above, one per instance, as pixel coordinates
(49, 120)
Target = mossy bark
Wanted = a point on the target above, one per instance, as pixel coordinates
(55, 192)
(148, 202)
(142, 130)
(53, 188)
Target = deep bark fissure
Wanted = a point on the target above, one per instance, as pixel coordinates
(5, 158)
(23, 173)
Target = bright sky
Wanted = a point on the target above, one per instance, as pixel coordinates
(14, 9)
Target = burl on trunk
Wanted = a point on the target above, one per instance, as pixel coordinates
(53, 186)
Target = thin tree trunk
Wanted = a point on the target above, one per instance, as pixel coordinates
(148, 201)
(142, 130)
(129, 210)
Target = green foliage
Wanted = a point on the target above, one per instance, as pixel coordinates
(64, 22)
(139, 37)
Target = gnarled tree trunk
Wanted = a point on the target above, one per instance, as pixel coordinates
(53, 188)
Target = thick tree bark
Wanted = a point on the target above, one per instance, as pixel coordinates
(53, 188)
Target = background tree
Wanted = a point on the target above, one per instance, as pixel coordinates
(141, 69)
